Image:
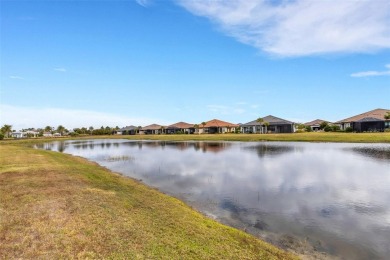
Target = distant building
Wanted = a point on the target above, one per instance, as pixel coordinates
(371, 121)
(315, 124)
(180, 127)
(47, 134)
(24, 134)
(128, 130)
(216, 126)
(276, 125)
(152, 129)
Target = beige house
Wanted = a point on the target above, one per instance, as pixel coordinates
(180, 127)
(315, 124)
(153, 129)
(216, 126)
(371, 121)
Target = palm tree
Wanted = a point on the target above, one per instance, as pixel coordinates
(196, 126)
(203, 124)
(260, 121)
(60, 129)
(266, 124)
(162, 129)
(48, 129)
(387, 116)
(90, 130)
(6, 129)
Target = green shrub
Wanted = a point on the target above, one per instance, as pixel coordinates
(335, 128)
(323, 125)
(349, 129)
(327, 128)
(1, 136)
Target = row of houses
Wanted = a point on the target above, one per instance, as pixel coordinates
(376, 120)
(369, 121)
(32, 133)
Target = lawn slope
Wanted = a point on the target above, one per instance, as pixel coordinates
(55, 206)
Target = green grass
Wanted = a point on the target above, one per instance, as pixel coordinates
(295, 137)
(55, 206)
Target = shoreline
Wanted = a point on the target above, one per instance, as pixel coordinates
(325, 137)
(57, 205)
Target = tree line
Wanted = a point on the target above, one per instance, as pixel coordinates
(6, 131)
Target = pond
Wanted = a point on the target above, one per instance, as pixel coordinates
(309, 197)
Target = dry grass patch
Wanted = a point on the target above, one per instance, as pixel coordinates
(58, 206)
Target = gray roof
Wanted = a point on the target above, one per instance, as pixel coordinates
(152, 127)
(127, 128)
(369, 119)
(316, 122)
(272, 120)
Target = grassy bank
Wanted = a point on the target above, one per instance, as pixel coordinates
(295, 137)
(338, 137)
(54, 206)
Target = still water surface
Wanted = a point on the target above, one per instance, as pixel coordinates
(323, 197)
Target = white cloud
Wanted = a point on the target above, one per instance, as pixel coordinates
(60, 69)
(15, 77)
(301, 27)
(26, 117)
(372, 73)
(144, 3)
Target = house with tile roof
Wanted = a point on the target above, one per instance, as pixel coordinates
(216, 126)
(316, 124)
(371, 121)
(180, 127)
(275, 125)
(128, 130)
(153, 129)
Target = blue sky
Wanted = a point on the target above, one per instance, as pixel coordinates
(94, 63)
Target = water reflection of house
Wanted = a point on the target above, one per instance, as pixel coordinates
(178, 145)
(264, 150)
(216, 126)
(315, 124)
(276, 125)
(371, 121)
(180, 128)
(213, 147)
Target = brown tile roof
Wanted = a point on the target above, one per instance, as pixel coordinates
(152, 127)
(217, 123)
(272, 120)
(181, 125)
(316, 122)
(376, 113)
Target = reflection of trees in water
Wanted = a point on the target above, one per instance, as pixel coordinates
(45, 146)
(61, 147)
(214, 147)
(271, 150)
(197, 146)
(378, 153)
